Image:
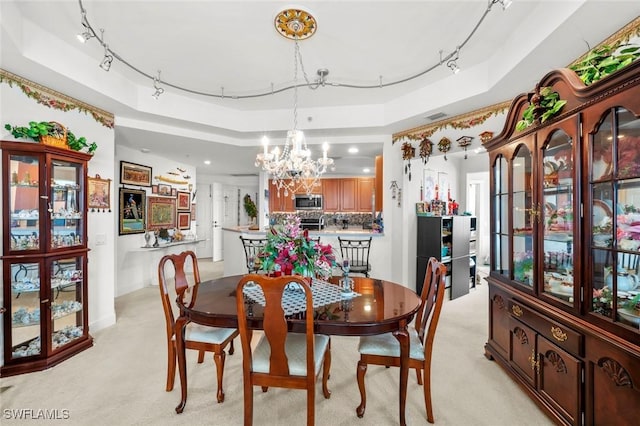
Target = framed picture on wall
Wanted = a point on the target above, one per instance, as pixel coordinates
(161, 213)
(132, 211)
(99, 191)
(184, 200)
(163, 189)
(135, 174)
(184, 220)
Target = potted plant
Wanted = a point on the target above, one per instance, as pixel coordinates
(251, 209)
(604, 60)
(542, 106)
(38, 130)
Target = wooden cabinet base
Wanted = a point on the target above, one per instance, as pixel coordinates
(576, 373)
(45, 363)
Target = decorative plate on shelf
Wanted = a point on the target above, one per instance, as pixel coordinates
(601, 213)
(630, 316)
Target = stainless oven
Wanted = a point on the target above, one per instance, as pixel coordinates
(308, 202)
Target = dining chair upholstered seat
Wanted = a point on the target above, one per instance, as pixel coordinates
(384, 349)
(281, 358)
(198, 337)
(252, 248)
(357, 251)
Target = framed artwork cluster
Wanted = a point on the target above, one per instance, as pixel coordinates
(166, 207)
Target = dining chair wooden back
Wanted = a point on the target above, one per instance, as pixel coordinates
(280, 358)
(384, 349)
(252, 248)
(357, 251)
(201, 338)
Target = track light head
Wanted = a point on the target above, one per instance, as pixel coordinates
(107, 60)
(159, 90)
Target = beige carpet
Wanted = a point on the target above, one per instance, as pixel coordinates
(120, 381)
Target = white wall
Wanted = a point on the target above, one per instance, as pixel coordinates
(17, 109)
(136, 266)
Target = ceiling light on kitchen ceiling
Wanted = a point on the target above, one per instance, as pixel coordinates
(292, 169)
(284, 26)
(207, 162)
(353, 150)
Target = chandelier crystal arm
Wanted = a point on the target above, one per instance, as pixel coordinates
(311, 85)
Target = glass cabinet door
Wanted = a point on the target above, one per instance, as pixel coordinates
(25, 278)
(65, 211)
(523, 212)
(24, 202)
(557, 216)
(67, 304)
(500, 193)
(615, 218)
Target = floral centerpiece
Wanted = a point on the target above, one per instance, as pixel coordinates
(290, 251)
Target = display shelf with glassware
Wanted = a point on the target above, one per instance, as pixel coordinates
(564, 318)
(44, 259)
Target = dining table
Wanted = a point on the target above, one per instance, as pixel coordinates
(373, 306)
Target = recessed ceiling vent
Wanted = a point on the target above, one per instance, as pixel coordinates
(436, 116)
(244, 175)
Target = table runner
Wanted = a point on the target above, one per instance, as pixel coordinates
(293, 299)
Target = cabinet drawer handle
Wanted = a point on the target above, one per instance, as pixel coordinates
(517, 311)
(558, 334)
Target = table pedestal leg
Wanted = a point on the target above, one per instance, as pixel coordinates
(182, 362)
(403, 338)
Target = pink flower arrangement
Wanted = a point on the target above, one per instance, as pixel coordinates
(289, 250)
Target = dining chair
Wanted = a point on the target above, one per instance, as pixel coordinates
(357, 251)
(252, 248)
(280, 358)
(384, 349)
(201, 338)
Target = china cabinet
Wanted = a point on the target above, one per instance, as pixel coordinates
(564, 288)
(449, 239)
(44, 258)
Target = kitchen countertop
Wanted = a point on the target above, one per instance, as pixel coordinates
(328, 231)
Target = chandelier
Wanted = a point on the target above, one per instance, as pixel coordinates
(292, 169)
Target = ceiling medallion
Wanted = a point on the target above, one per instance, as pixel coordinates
(295, 24)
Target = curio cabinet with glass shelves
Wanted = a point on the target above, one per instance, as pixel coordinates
(44, 258)
(564, 284)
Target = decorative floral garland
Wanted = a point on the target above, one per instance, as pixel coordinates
(52, 99)
(463, 121)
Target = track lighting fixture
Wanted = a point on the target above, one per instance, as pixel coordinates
(159, 90)
(87, 33)
(453, 66)
(107, 60)
(505, 3)
(449, 60)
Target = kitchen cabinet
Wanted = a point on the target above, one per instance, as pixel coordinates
(365, 192)
(564, 317)
(279, 201)
(349, 198)
(332, 194)
(44, 261)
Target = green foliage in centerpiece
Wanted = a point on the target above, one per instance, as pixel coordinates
(290, 250)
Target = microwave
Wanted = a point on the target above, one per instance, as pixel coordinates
(308, 202)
